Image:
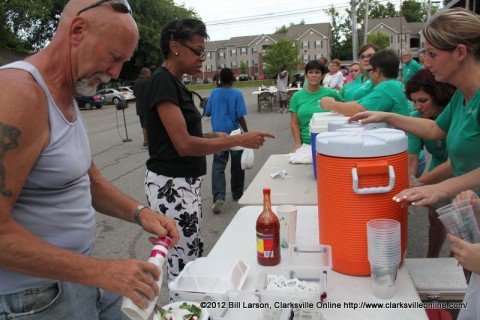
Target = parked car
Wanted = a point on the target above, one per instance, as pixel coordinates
(114, 96)
(88, 102)
(243, 77)
(128, 89)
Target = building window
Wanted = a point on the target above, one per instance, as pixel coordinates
(255, 63)
(243, 51)
(318, 44)
(221, 54)
(209, 67)
(209, 55)
(306, 45)
(306, 58)
(234, 64)
(233, 52)
(254, 49)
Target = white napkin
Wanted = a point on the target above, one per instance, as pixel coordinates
(302, 155)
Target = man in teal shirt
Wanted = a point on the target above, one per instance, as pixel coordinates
(409, 66)
(387, 94)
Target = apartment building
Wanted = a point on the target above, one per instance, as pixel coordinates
(403, 35)
(314, 41)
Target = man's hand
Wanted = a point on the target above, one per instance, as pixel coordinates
(134, 279)
(159, 224)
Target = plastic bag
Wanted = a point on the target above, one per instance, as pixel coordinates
(247, 159)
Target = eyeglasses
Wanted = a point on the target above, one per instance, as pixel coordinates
(370, 69)
(118, 5)
(200, 54)
(366, 56)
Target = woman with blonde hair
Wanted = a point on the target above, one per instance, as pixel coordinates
(452, 44)
(334, 78)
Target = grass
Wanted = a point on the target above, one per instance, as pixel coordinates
(236, 84)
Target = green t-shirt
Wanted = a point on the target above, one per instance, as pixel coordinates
(387, 96)
(408, 70)
(437, 148)
(365, 87)
(463, 132)
(305, 104)
(348, 91)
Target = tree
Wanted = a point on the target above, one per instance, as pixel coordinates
(281, 52)
(243, 67)
(381, 40)
(27, 25)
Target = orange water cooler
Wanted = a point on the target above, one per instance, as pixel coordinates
(358, 173)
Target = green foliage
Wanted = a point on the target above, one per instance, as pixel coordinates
(281, 52)
(282, 29)
(381, 40)
(243, 67)
(414, 11)
(28, 24)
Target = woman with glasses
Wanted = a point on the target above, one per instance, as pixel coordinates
(176, 142)
(363, 83)
(429, 98)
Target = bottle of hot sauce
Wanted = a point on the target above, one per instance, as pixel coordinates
(268, 234)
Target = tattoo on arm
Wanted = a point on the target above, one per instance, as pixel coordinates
(8, 140)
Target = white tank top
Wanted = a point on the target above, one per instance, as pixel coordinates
(55, 203)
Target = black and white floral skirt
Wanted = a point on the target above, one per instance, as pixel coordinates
(178, 198)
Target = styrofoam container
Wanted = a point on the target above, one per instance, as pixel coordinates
(310, 256)
(319, 124)
(209, 279)
(315, 277)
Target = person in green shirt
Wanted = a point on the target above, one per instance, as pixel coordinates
(348, 90)
(387, 93)
(409, 66)
(429, 98)
(304, 103)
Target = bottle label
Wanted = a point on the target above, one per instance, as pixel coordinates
(158, 250)
(265, 245)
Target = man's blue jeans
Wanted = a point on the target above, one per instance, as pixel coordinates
(237, 179)
(62, 300)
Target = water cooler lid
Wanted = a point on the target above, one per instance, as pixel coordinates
(354, 143)
(335, 125)
(320, 120)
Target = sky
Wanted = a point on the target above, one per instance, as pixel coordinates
(235, 18)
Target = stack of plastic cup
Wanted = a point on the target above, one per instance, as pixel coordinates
(459, 219)
(384, 255)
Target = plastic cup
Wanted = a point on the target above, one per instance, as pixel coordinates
(459, 219)
(384, 241)
(384, 279)
(287, 215)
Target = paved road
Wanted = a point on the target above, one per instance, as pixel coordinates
(123, 163)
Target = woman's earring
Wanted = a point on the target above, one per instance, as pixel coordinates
(176, 53)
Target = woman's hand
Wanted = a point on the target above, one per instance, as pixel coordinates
(467, 254)
(326, 103)
(369, 117)
(253, 139)
(421, 196)
(471, 196)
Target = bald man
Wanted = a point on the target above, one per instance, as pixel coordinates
(409, 66)
(49, 186)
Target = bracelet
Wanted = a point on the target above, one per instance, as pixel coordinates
(136, 214)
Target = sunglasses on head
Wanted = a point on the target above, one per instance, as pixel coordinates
(118, 5)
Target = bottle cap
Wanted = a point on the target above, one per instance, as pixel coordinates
(266, 190)
(164, 241)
